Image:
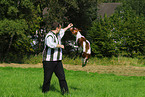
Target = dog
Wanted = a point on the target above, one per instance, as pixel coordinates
(84, 43)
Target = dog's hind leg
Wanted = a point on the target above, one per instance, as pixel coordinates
(84, 46)
(84, 61)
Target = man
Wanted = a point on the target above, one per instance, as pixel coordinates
(52, 56)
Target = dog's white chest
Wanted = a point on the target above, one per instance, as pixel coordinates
(78, 36)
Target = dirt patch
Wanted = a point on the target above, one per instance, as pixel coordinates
(117, 70)
(21, 65)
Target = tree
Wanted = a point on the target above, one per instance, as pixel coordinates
(14, 40)
(101, 34)
(137, 5)
(132, 30)
(125, 29)
(19, 20)
(110, 1)
(79, 12)
(83, 14)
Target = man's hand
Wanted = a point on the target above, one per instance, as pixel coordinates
(60, 46)
(70, 25)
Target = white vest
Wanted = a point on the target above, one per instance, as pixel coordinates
(50, 52)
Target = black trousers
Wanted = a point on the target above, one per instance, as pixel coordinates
(56, 67)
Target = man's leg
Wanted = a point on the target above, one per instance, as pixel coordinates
(61, 76)
(48, 71)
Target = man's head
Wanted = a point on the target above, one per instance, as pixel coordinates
(56, 26)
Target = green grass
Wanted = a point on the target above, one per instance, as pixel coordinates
(20, 82)
(93, 61)
(107, 61)
(118, 61)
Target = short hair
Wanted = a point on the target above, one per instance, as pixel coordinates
(54, 25)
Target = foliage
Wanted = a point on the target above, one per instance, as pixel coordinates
(15, 9)
(14, 33)
(112, 1)
(20, 81)
(24, 21)
(137, 5)
(37, 17)
(101, 38)
(13, 37)
(132, 30)
(32, 59)
(82, 15)
(122, 33)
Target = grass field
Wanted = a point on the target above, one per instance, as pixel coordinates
(27, 82)
(124, 61)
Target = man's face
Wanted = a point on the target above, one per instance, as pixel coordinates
(58, 28)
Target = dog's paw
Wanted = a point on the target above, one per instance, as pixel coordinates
(83, 65)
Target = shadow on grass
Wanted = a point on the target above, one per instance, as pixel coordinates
(74, 88)
(52, 88)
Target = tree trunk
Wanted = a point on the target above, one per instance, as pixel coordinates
(7, 51)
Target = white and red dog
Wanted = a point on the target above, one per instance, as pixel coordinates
(84, 43)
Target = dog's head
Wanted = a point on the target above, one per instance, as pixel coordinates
(74, 30)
